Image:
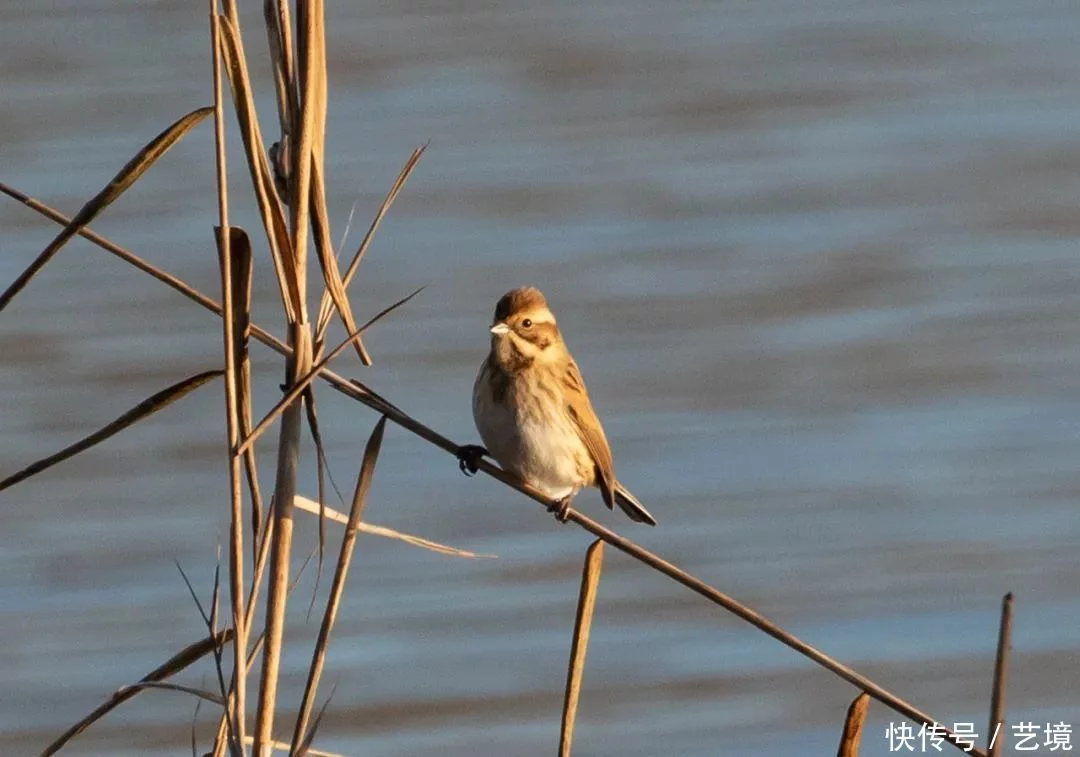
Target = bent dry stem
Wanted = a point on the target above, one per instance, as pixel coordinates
(363, 394)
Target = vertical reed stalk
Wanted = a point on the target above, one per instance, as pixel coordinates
(281, 544)
(311, 78)
(590, 580)
(853, 725)
(236, 524)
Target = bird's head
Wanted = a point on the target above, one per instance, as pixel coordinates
(524, 330)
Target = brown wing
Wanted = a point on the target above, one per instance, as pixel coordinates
(592, 433)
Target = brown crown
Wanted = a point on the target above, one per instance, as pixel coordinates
(518, 301)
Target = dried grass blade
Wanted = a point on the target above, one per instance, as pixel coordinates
(194, 720)
(273, 215)
(176, 663)
(211, 625)
(124, 254)
(301, 385)
(324, 307)
(127, 176)
(853, 725)
(341, 572)
(305, 747)
(310, 71)
(320, 466)
(303, 503)
(281, 746)
(324, 248)
(145, 408)
(209, 696)
(279, 35)
(242, 277)
(590, 580)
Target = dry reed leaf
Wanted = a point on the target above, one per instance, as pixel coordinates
(273, 215)
(303, 382)
(304, 747)
(321, 468)
(211, 625)
(279, 34)
(242, 279)
(337, 587)
(281, 746)
(325, 312)
(310, 69)
(145, 408)
(324, 249)
(124, 254)
(119, 184)
(208, 696)
(174, 664)
(308, 505)
(234, 260)
(590, 580)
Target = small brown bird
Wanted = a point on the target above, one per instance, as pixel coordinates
(533, 412)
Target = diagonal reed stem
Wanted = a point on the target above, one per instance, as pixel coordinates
(366, 396)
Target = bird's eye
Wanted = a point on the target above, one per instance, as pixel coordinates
(527, 323)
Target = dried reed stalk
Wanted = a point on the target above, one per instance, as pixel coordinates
(1001, 671)
(337, 588)
(234, 260)
(262, 181)
(579, 646)
(281, 540)
(853, 725)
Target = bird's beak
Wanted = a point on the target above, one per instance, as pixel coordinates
(499, 329)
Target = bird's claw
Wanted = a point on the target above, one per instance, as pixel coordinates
(561, 508)
(469, 458)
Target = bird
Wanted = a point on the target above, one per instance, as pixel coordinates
(533, 412)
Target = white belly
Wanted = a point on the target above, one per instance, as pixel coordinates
(542, 448)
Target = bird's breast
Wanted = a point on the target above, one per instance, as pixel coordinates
(526, 428)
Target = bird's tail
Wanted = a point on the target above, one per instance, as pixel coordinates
(628, 503)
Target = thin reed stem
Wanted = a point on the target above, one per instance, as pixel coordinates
(579, 646)
(238, 702)
(1001, 673)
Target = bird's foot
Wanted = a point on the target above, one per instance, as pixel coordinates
(561, 508)
(469, 458)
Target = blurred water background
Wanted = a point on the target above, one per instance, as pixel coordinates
(817, 261)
